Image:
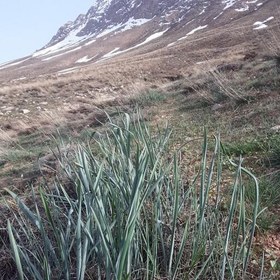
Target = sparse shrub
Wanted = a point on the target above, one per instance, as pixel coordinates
(274, 150)
(127, 214)
(243, 148)
(149, 98)
(215, 88)
(269, 197)
(271, 44)
(268, 82)
(227, 87)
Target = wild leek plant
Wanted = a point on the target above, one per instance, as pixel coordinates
(127, 213)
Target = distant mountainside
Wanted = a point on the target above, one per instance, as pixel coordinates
(117, 16)
(114, 28)
(107, 18)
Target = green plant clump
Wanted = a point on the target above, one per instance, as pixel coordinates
(128, 214)
(150, 98)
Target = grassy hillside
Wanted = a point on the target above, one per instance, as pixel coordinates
(196, 200)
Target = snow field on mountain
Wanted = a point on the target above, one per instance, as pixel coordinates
(70, 41)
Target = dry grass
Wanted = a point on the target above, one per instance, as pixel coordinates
(182, 106)
(74, 103)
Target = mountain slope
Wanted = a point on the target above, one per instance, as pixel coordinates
(112, 29)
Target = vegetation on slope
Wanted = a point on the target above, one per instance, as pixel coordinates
(128, 214)
(134, 206)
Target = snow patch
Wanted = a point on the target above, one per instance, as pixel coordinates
(109, 30)
(132, 22)
(67, 70)
(202, 12)
(196, 29)
(20, 79)
(54, 56)
(5, 63)
(193, 31)
(102, 5)
(218, 15)
(228, 3)
(111, 53)
(9, 64)
(261, 24)
(85, 59)
(171, 44)
(115, 51)
(90, 42)
(70, 41)
(152, 37)
(246, 5)
(243, 9)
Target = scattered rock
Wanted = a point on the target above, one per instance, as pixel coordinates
(8, 109)
(276, 128)
(229, 67)
(27, 131)
(217, 106)
(97, 118)
(48, 160)
(249, 55)
(25, 111)
(2, 162)
(174, 78)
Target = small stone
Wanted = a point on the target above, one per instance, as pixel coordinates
(216, 107)
(8, 109)
(2, 162)
(276, 128)
(25, 111)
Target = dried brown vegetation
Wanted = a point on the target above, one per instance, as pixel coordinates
(231, 88)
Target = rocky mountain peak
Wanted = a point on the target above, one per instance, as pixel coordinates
(104, 14)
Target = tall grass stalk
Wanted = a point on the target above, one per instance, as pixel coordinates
(127, 214)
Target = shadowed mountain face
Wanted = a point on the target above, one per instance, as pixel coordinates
(114, 29)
